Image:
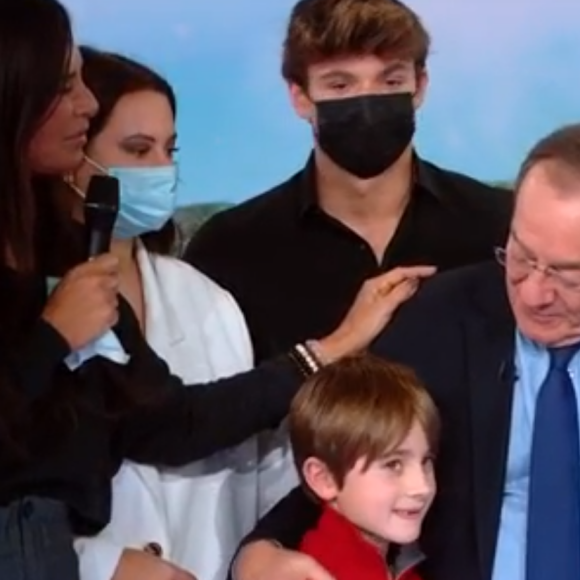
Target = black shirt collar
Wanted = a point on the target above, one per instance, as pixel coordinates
(307, 189)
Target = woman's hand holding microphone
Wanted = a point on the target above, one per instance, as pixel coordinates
(85, 303)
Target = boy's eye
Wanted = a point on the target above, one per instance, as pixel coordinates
(395, 465)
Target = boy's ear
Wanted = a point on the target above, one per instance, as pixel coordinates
(319, 479)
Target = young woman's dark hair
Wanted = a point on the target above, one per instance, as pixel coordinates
(35, 49)
(28, 88)
(110, 77)
(37, 239)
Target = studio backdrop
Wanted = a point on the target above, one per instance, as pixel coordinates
(502, 74)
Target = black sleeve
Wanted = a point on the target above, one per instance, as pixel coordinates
(187, 423)
(288, 521)
(34, 360)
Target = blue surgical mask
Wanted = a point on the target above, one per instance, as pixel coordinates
(148, 198)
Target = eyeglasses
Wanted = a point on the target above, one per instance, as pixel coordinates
(520, 267)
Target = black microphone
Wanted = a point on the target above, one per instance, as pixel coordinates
(101, 209)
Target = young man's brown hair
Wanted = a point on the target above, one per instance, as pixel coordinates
(359, 407)
(321, 30)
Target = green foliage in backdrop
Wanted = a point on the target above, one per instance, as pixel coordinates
(505, 184)
(191, 218)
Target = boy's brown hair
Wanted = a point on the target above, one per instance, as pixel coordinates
(361, 406)
(321, 30)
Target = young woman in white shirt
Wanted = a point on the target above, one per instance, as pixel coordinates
(165, 523)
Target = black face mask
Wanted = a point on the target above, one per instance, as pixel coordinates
(366, 134)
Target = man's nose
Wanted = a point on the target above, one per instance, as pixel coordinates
(536, 290)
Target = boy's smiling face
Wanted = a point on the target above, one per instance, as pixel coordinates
(388, 499)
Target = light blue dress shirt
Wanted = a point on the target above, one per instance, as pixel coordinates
(531, 362)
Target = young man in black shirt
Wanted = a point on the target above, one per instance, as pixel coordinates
(365, 202)
(295, 256)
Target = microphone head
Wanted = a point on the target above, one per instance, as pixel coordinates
(101, 202)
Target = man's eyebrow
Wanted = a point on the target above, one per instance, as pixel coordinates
(560, 265)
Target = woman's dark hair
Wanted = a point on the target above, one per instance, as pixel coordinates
(35, 46)
(110, 77)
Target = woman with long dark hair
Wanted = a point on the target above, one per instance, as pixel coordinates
(66, 430)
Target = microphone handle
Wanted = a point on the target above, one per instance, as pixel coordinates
(98, 243)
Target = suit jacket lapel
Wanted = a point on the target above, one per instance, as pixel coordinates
(490, 351)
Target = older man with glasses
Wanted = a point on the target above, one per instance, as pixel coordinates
(498, 347)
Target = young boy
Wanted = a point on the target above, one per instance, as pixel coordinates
(363, 433)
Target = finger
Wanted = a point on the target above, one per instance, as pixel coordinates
(402, 292)
(112, 300)
(109, 282)
(97, 263)
(105, 263)
(112, 319)
(99, 287)
(108, 307)
(112, 307)
(73, 274)
(396, 276)
(385, 283)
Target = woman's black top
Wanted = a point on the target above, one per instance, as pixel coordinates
(74, 441)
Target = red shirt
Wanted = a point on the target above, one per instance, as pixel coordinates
(342, 550)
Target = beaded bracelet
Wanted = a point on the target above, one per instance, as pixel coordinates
(313, 347)
(300, 363)
(303, 358)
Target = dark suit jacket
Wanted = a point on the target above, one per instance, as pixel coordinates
(458, 335)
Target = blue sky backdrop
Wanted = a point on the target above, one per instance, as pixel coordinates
(503, 73)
